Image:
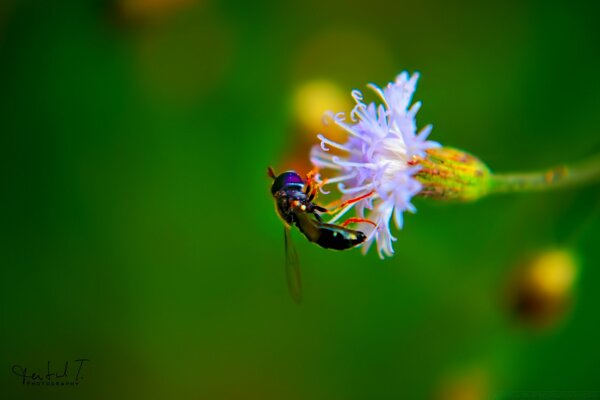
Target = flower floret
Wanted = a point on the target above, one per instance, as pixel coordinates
(382, 141)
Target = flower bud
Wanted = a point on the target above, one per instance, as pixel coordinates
(451, 174)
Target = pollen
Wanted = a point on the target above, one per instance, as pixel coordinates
(303, 207)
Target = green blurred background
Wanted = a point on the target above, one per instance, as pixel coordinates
(138, 229)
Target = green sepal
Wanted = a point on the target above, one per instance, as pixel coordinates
(452, 174)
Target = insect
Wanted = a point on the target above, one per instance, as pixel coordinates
(294, 203)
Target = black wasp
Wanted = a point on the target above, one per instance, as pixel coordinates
(294, 203)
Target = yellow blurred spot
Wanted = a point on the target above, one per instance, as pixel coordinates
(313, 99)
(541, 290)
(553, 272)
(310, 103)
(470, 385)
(151, 9)
(346, 54)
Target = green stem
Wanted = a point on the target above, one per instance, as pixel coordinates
(561, 176)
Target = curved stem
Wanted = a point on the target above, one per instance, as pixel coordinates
(561, 176)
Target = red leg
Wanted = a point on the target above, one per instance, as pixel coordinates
(351, 201)
(355, 220)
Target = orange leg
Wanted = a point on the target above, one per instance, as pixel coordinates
(355, 220)
(312, 187)
(311, 174)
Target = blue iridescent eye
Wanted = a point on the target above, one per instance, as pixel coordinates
(287, 179)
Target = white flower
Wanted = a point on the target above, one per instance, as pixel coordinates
(376, 159)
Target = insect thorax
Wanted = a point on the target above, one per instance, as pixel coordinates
(285, 199)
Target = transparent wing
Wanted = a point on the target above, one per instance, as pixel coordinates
(292, 266)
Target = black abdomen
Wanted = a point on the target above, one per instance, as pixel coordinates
(338, 238)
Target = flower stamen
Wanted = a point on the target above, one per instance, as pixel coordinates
(324, 141)
(342, 188)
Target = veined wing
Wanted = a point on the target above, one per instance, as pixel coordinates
(292, 266)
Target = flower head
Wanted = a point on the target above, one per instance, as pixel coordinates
(375, 161)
